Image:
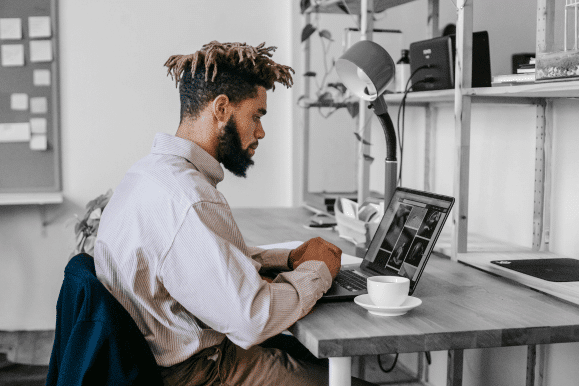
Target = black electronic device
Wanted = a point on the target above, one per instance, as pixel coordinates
(556, 269)
(433, 63)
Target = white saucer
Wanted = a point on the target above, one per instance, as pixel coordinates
(365, 302)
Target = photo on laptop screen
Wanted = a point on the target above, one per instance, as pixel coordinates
(407, 235)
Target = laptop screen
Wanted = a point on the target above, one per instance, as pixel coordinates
(407, 233)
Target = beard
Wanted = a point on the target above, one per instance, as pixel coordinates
(230, 152)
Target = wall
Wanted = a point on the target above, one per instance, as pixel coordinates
(115, 96)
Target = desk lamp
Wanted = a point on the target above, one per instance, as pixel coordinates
(366, 69)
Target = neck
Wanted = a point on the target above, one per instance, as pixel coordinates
(201, 131)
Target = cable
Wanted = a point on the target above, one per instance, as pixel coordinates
(401, 120)
(390, 368)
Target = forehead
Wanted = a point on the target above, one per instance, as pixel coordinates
(258, 102)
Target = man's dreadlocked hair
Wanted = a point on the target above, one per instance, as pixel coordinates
(236, 70)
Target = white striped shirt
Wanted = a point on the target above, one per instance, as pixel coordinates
(170, 252)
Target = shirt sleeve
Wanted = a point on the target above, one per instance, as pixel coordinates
(209, 271)
(276, 259)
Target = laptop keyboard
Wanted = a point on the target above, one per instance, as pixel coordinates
(351, 280)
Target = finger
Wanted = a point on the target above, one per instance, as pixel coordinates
(266, 278)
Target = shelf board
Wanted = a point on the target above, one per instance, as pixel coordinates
(526, 93)
(40, 198)
(482, 260)
(331, 104)
(475, 243)
(564, 89)
(422, 97)
(352, 6)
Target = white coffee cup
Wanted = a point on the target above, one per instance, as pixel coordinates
(388, 291)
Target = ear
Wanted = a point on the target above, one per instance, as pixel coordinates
(221, 108)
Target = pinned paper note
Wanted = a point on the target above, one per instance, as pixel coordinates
(41, 77)
(19, 101)
(39, 27)
(40, 51)
(38, 142)
(38, 105)
(15, 132)
(10, 29)
(12, 55)
(38, 125)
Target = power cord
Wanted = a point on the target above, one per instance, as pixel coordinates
(427, 355)
(401, 119)
(392, 365)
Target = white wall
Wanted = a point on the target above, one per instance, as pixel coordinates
(115, 97)
(115, 86)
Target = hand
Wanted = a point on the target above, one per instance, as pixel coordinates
(317, 249)
(268, 279)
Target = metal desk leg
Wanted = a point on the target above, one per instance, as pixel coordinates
(339, 371)
(454, 367)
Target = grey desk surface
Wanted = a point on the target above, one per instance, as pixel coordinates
(462, 307)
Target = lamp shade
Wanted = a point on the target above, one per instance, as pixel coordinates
(366, 69)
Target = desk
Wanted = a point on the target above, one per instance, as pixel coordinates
(463, 308)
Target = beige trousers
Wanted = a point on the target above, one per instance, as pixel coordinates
(229, 365)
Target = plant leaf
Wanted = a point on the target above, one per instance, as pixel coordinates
(368, 158)
(325, 34)
(307, 31)
(357, 135)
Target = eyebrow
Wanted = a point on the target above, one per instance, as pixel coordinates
(262, 111)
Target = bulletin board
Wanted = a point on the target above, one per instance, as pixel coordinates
(30, 160)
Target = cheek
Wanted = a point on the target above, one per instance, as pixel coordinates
(247, 132)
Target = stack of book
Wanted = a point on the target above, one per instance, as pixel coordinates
(526, 73)
(528, 68)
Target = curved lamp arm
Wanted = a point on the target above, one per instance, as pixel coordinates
(380, 108)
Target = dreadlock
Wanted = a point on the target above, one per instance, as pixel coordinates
(236, 69)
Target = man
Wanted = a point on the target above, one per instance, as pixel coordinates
(169, 249)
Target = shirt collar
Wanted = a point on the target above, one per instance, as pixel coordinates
(202, 160)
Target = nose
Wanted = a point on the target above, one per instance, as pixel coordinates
(260, 133)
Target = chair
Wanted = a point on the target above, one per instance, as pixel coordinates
(96, 340)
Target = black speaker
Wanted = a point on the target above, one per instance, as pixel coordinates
(433, 63)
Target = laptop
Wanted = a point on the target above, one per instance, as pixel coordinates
(401, 245)
(438, 57)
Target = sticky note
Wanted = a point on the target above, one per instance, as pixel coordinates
(41, 77)
(15, 132)
(39, 27)
(10, 29)
(38, 142)
(38, 105)
(40, 51)
(38, 125)
(19, 101)
(12, 55)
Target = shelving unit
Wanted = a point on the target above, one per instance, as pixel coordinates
(364, 9)
(460, 245)
(539, 94)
